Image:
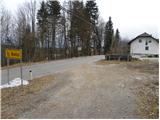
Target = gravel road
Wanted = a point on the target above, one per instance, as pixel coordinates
(42, 69)
(88, 91)
(92, 90)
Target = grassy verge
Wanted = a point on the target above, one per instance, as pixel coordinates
(15, 101)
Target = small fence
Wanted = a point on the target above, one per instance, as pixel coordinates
(118, 57)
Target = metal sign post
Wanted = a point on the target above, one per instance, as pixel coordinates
(8, 70)
(21, 72)
(14, 54)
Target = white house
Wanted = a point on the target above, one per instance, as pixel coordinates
(144, 45)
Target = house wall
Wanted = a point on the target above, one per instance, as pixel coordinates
(137, 48)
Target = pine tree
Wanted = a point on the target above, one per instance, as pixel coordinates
(108, 36)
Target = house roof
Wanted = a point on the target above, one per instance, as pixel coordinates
(143, 35)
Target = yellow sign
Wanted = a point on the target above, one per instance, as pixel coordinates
(13, 54)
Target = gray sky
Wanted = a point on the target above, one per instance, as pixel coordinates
(131, 17)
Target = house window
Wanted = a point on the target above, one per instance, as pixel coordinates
(146, 48)
(146, 43)
(140, 40)
(150, 41)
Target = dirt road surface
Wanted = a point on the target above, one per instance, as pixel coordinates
(93, 90)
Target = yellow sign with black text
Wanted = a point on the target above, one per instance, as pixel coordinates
(13, 54)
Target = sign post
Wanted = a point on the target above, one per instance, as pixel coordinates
(8, 71)
(14, 54)
(21, 72)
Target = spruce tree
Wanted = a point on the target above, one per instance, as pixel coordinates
(116, 40)
(108, 36)
(42, 22)
(92, 9)
(53, 8)
(78, 27)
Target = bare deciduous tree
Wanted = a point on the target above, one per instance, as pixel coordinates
(6, 26)
(26, 16)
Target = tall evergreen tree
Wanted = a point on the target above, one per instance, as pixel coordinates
(53, 8)
(92, 9)
(77, 27)
(108, 36)
(42, 15)
(116, 40)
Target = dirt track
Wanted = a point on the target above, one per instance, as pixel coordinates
(95, 90)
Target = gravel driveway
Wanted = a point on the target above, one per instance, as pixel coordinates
(88, 91)
(91, 90)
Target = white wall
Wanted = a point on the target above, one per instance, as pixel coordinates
(139, 48)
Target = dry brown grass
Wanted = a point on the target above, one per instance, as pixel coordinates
(147, 98)
(105, 62)
(148, 103)
(147, 95)
(144, 66)
(24, 64)
(14, 101)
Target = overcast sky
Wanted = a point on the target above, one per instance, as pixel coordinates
(131, 17)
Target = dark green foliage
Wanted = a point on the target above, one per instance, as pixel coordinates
(47, 18)
(116, 41)
(42, 15)
(75, 27)
(53, 8)
(117, 36)
(92, 10)
(109, 32)
(80, 30)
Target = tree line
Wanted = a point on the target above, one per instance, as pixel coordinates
(55, 31)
